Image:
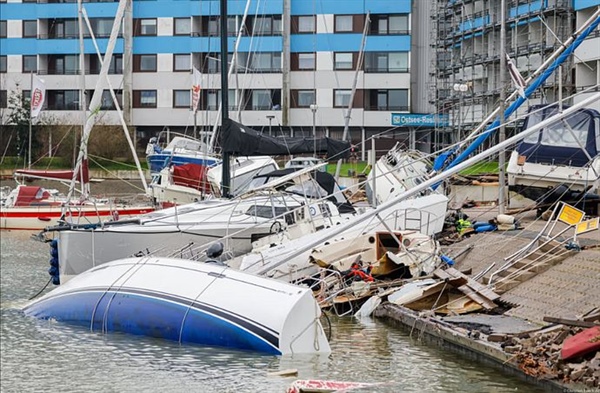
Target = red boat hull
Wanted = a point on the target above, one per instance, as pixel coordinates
(584, 342)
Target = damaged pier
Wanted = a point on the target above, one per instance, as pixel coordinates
(536, 316)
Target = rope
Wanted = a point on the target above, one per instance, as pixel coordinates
(41, 290)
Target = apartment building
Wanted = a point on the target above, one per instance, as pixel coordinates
(296, 64)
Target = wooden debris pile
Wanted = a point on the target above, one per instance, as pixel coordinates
(538, 354)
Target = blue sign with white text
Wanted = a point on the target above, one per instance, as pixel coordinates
(418, 120)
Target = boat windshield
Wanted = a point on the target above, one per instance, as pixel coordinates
(266, 211)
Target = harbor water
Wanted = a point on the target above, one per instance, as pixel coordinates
(40, 355)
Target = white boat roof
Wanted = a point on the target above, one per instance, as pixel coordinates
(283, 179)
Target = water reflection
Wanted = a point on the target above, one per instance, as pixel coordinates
(47, 355)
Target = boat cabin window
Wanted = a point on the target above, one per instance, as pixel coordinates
(266, 211)
(571, 132)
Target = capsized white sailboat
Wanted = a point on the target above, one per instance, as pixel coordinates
(189, 302)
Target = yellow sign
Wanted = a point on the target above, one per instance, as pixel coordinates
(587, 226)
(570, 215)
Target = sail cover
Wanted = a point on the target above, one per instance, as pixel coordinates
(240, 140)
(56, 174)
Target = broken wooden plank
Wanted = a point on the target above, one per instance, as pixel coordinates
(474, 285)
(570, 322)
(483, 301)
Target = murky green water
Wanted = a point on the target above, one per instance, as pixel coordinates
(48, 356)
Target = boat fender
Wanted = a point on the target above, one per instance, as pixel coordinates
(54, 270)
(485, 227)
(447, 260)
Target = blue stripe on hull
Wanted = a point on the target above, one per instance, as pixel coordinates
(159, 161)
(155, 316)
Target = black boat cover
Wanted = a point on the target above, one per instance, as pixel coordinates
(240, 140)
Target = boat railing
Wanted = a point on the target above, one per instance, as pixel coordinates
(327, 285)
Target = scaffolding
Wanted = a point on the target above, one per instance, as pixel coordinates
(467, 64)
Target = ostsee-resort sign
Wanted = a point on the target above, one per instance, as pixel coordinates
(418, 120)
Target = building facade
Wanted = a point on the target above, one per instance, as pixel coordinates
(296, 62)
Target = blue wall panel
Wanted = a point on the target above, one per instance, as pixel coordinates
(342, 7)
(32, 46)
(347, 43)
(581, 4)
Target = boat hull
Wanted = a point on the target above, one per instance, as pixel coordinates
(40, 217)
(159, 161)
(188, 302)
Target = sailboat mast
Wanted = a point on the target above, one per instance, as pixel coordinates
(359, 63)
(82, 101)
(225, 179)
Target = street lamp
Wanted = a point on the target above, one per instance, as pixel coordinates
(313, 108)
(270, 117)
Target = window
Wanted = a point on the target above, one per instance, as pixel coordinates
(388, 100)
(343, 61)
(213, 99)
(303, 98)
(306, 24)
(144, 98)
(266, 25)
(182, 99)
(29, 63)
(306, 61)
(182, 62)
(62, 100)
(266, 100)
(144, 63)
(343, 24)
(107, 103)
(389, 24)
(182, 26)
(144, 27)
(102, 27)
(341, 98)
(233, 23)
(63, 64)
(64, 28)
(3, 32)
(116, 65)
(386, 62)
(3, 99)
(266, 62)
(2, 64)
(29, 28)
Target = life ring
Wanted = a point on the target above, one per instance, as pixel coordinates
(276, 227)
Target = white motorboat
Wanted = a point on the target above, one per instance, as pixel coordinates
(189, 302)
(559, 162)
(183, 184)
(281, 258)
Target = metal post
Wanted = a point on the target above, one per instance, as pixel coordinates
(270, 117)
(30, 118)
(226, 176)
(314, 108)
(502, 133)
